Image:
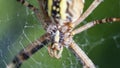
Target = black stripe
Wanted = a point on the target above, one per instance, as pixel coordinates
(22, 1)
(35, 49)
(18, 0)
(17, 62)
(30, 6)
(25, 55)
(109, 19)
(100, 21)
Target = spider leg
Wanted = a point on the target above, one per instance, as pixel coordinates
(40, 13)
(30, 6)
(29, 51)
(87, 63)
(94, 4)
(93, 23)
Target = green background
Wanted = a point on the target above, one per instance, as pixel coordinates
(19, 27)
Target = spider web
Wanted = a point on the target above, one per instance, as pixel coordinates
(19, 27)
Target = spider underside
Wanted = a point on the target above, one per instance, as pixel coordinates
(59, 35)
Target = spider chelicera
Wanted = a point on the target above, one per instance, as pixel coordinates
(59, 19)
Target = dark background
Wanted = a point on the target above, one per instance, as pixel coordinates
(19, 27)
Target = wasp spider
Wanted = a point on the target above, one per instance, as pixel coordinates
(59, 19)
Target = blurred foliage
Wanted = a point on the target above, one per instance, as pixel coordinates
(19, 27)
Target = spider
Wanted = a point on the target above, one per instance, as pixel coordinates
(59, 18)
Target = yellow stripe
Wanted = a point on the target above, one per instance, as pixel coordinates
(50, 2)
(63, 7)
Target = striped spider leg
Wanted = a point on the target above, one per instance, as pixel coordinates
(36, 45)
(87, 63)
(29, 50)
(40, 13)
(93, 23)
(94, 4)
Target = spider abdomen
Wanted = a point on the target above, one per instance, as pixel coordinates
(64, 10)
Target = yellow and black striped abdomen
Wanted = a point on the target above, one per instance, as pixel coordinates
(64, 10)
